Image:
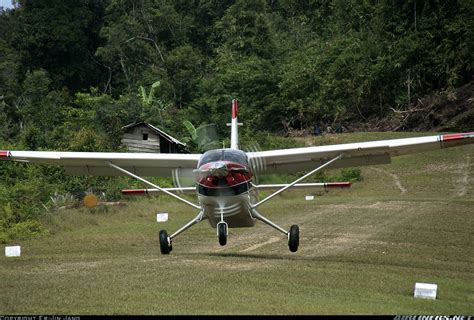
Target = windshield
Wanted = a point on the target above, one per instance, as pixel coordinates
(231, 155)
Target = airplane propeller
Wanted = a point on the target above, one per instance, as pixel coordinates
(205, 137)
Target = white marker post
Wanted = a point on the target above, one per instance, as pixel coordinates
(161, 217)
(425, 290)
(13, 251)
(309, 198)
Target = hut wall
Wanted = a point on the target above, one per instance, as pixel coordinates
(135, 140)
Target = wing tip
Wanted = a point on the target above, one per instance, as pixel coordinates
(338, 184)
(456, 136)
(4, 154)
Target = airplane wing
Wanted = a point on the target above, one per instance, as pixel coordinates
(354, 154)
(273, 161)
(97, 163)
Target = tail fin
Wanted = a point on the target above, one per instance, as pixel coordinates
(234, 125)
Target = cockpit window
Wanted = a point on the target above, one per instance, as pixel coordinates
(232, 155)
(210, 156)
(236, 156)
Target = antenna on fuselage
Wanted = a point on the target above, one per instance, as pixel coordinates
(234, 126)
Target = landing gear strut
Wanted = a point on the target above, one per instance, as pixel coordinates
(165, 240)
(293, 235)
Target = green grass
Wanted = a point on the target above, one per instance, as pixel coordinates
(361, 252)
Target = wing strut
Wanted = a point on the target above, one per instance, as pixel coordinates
(188, 225)
(155, 186)
(295, 182)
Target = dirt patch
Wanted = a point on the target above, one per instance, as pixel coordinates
(396, 179)
(441, 167)
(462, 182)
(228, 263)
(460, 172)
(72, 266)
(389, 205)
(340, 242)
(259, 245)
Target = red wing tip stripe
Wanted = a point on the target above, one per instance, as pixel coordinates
(457, 136)
(4, 154)
(133, 191)
(338, 184)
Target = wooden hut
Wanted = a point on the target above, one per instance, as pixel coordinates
(143, 137)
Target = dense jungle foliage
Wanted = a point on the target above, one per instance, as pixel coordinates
(72, 73)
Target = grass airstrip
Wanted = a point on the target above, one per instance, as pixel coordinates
(361, 251)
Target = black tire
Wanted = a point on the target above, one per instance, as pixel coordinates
(165, 247)
(222, 233)
(294, 238)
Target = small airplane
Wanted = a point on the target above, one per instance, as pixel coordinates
(227, 196)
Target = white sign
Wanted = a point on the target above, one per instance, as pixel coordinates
(309, 197)
(425, 290)
(161, 217)
(13, 251)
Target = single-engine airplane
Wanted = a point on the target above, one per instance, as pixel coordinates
(225, 190)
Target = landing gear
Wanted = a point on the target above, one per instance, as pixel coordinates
(293, 235)
(222, 233)
(165, 243)
(294, 238)
(165, 240)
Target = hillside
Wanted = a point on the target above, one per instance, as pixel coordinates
(449, 110)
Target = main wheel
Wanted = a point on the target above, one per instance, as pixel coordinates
(294, 238)
(222, 233)
(165, 246)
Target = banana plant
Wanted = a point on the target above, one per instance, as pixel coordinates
(202, 138)
(149, 101)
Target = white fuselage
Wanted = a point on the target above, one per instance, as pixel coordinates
(234, 210)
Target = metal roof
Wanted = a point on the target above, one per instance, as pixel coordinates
(156, 130)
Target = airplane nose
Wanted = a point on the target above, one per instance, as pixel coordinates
(219, 169)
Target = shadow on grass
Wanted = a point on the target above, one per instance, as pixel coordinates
(412, 265)
(255, 256)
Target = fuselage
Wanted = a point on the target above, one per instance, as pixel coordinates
(224, 186)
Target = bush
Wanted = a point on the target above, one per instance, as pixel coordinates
(350, 174)
(22, 231)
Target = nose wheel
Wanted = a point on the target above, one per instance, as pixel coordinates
(222, 231)
(294, 238)
(165, 243)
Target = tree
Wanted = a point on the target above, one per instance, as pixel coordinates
(186, 68)
(61, 38)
